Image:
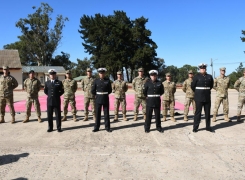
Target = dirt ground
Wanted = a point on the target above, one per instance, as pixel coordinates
(27, 151)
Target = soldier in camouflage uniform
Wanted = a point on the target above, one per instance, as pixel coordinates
(189, 96)
(70, 87)
(7, 84)
(88, 96)
(240, 87)
(138, 85)
(221, 85)
(32, 86)
(119, 87)
(168, 97)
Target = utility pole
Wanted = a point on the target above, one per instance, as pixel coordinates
(212, 67)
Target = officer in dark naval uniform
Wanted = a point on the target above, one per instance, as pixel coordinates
(101, 89)
(201, 85)
(53, 89)
(153, 89)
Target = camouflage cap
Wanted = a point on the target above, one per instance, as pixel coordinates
(222, 68)
(68, 72)
(31, 71)
(140, 69)
(168, 74)
(89, 70)
(190, 72)
(5, 67)
(119, 72)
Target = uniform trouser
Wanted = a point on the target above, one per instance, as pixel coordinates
(35, 102)
(137, 103)
(98, 115)
(117, 103)
(241, 101)
(188, 102)
(224, 101)
(57, 111)
(149, 111)
(165, 105)
(197, 117)
(88, 101)
(72, 102)
(10, 102)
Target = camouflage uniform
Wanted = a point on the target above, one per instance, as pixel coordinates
(89, 98)
(221, 85)
(119, 87)
(189, 97)
(32, 87)
(168, 99)
(70, 87)
(7, 85)
(240, 87)
(138, 85)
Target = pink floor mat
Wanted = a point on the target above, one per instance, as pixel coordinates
(20, 105)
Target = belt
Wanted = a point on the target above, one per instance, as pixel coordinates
(101, 92)
(202, 87)
(156, 95)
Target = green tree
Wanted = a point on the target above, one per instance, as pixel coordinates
(173, 70)
(183, 72)
(236, 75)
(38, 40)
(63, 60)
(81, 67)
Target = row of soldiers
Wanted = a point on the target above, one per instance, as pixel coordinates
(119, 87)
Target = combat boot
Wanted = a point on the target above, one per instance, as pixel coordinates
(74, 117)
(85, 117)
(164, 118)
(39, 119)
(26, 120)
(116, 117)
(135, 117)
(64, 118)
(227, 118)
(144, 117)
(13, 120)
(185, 118)
(125, 117)
(173, 119)
(2, 119)
(239, 118)
(214, 118)
(94, 117)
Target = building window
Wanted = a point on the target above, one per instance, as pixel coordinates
(41, 79)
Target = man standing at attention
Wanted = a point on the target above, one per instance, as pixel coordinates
(70, 88)
(101, 89)
(53, 89)
(221, 85)
(138, 85)
(32, 86)
(168, 100)
(189, 95)
(87, 83)
(119, 87)
(201, 85)
(7, 84)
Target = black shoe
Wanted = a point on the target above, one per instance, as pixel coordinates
(59, 130)
(147, 131)
(160, 130)
(109, 130)
(49, 130)
(195, 130)
(95, 130)
(210, 130)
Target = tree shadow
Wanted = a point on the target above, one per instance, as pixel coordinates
(10, 158)
(128, 126)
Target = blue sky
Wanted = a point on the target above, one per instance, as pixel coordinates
(186, 31)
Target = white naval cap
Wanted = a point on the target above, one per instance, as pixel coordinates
(153, 72)
(202, 65)
(52, 71)
(102, 69)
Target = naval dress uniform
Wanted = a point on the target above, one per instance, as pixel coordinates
(202, 85)
(101, 89)
(53, 89)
